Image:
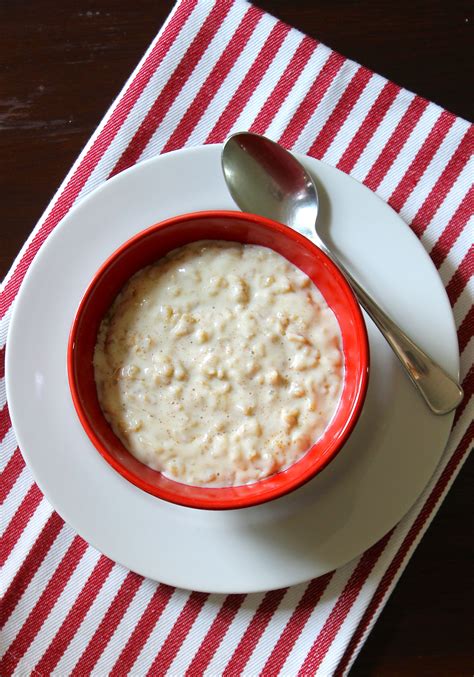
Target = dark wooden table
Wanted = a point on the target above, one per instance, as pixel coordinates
(62, 64)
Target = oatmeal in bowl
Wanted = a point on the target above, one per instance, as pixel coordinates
(218, 360)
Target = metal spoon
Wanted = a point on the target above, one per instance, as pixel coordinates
(264, 178)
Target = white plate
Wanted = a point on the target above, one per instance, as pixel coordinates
(350, 505)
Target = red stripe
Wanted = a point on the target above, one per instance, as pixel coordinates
(295, 625)
(74, 617)
(454, 228)
(402, 552)
(443, 185)
(142, 631)
(340, 112)
(249, 83)
(5, 422)
(176, 637)
(173, 87)
(312, 99)
(2, 362)
(395, 143)
(367, 129)
(107, 626)
(466, 330)
(254, 631)
(30, 566)
(461, 276)
(468, 387)
(214, 635)
(421, 160)
(214, 80)
(284, 85)
(22, 516)
(43, 606)
(10, 474)
(65, 201)
(342, 607)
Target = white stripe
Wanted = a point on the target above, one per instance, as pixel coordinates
(318, 617)
(457, 434)
(433, 171)
(355, 119)
(448, 207)
(195, 636)
(457, 253)
(219, 102)
(407, 154)
(5, 321)
(91, 621)
(464, 303)
(268, 82)
(35, 588)
(300, 88)
(467, 358)
(3, 393)
(160, 632)
(234, 634)
(124, 629)
(25, 671)
(58, 613)
(328, 103)
(24, 544)
(7, 448)
(151, 92)
(274, 629)
(382, 134)
(23, 484)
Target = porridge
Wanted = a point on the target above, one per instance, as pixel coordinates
(220, 364)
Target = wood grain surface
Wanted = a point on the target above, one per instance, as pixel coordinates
(63, 63)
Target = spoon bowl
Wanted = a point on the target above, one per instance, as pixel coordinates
(285, 188)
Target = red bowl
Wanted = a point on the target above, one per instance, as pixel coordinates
(144, 249)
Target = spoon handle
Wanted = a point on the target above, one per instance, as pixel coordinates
(441, 392)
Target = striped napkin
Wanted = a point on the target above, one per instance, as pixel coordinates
(218, 67)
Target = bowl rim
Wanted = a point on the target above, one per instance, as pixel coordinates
(250, 499)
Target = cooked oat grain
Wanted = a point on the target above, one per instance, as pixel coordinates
(219, 365)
